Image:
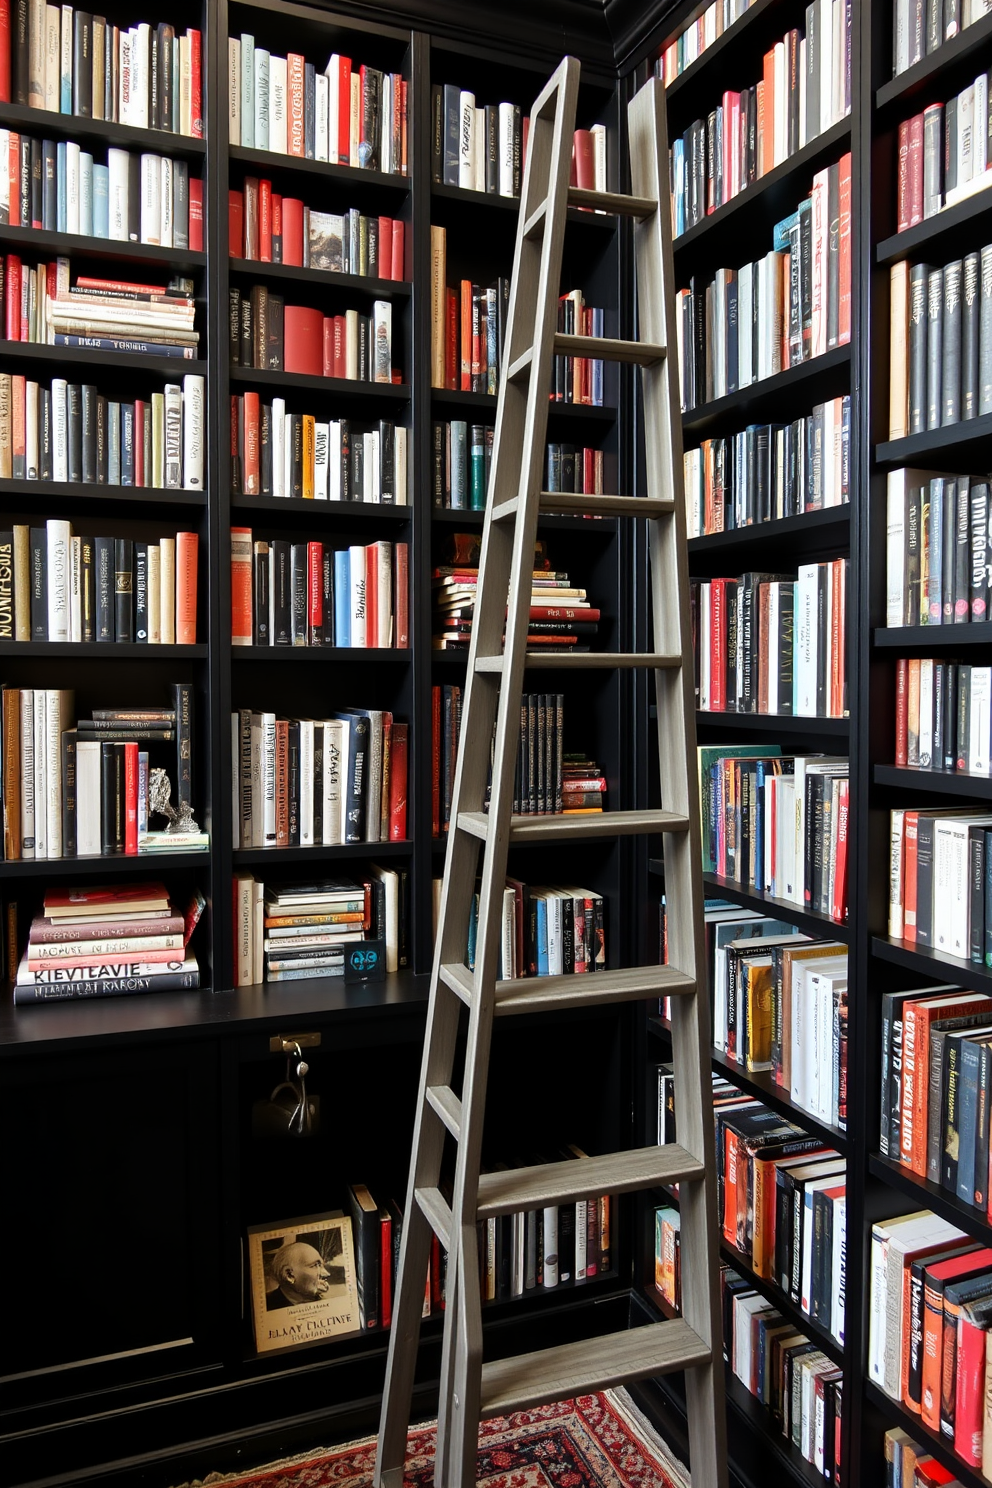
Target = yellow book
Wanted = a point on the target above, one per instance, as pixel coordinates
(308, 456)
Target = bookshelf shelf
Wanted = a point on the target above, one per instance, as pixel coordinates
(944, 230)
(258, 857)
(102, 650)
(324, 279)
(817, 526)
(362, 512)
(351, 178)
(940, 68)
(94, 495)
(374, 655)
(77, 245)
(29, 352)
(485, 402)
(348, 390)
(119, 864)
(795, 389)
(931, 962)
(560, 522)
(770, 722)
(931, 1196)
(46, 124)
(959, 444)
(925, 638)
(808, 921)
(933, 1441)
(936, 782)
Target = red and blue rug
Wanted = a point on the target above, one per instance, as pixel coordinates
(594, 1441)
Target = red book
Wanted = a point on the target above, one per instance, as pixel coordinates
(385, 1267)
(398, 782)
(292, 231)
(465, 353)
(340, 346)
(12, 289)
(969, 1402)
(398, 267)
(251, 479)
(303, 333)
(372, 595)
(584, 160)
(910, 834)
(401, 598)
(265, 221)
(14, 175)
(315, 593)
(435, 761)
(839, 906)
(330, 325)
(451, 340)
(140, 409)
(195, 215)
(196, 83)
(296, 143)
(236, 224)
(4, 51)
(384, 267)
(844, 309)
(914, 195)
(902, 717)
(344, 110)
(131, 812)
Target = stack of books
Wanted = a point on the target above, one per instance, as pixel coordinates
(277, 453)
(294, 932)
(583, 785)
(561, 616)
(462, 458)
(910, 1465)
(943, 155)
(937, 885)
(467, 327)
(943, 715)
(478, 149)
(575, 468)
(268, 228)
(915, 35)
(939, 348)
(98, 314)
(937, 549)
(269, 335)
(108, 941)
(701, 33)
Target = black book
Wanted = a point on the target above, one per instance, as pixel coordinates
(948, 520)
(25, 179)
(265, 442)
(124, 589)
(970, 295)
(327, 590)
(141, 591)
(356, 483)
(103, 580)
(39, 583)
(318, 785)
(924, 879)
(111, 799)
(517, 149)
(281, 593)
(950, 145)
(951, 345)
(127, 444)
(182, 702)
(74, 432)
(20, 51)
(274, 337)
(298, 593)
(155, 60)
(918, 277)
(49, 194)
(439, 487)
(7, 586)
(935, 303)
(102, 441)
(45, 448)
(985, 333)
(354, 781)
(234, 326)
(89, 397)
(134, 196)
(346, 485)
(492, 149)
(980, 540)
(387, 463)
(310, 109)
(452, 131)
(260, 596)
(164, 35)
(437, 134)
(180, 203)
(87, 575)
(294, 434)
(82, 65)
(246, 349)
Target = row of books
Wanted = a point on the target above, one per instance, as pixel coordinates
(770, 471)
(467, 328)
(58, 586)
(776, 823)
(578, 379)
(943, 715)
(910, 1465)
(943, 154)
(561, 616)
(42, 306)
(307, 783)
(545, 931)
(349, 114)
(72, 62)
(296, 932)
(694, 39)
(918, 31)
(72, 432)
(462, 458)
(59, 187)
(309, 594)
(77, 790)
(938, 870)
(937, 540)
(789, 306)
(940, 343)
(269, 335)
(280, 454)
(104, 941)
(476, 148)
(768, 643)
(805, 88)
(268, 228)
(930, 1310)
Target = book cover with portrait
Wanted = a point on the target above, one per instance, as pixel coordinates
(303, 1284)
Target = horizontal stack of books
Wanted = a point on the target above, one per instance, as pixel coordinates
(268, 228)
(98, 314)
(938, 880)
(295, 932)
(277, 453)
(306, 594)
(942, 155)
(72, 432)
(108, 942)
(561, 616)
(583, 785)
(943, 715)
(146, 76)
(269, 335)
(358, 114)
(303, 783)
(939, 347)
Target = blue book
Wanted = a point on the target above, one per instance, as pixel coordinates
(678, 173)
(85, 194)
(459, 464)
(114, 445)
(342, 598)
(60, 183)
(542, 934)
(598, 329)
(119, 343)
(473, 931)
(101, 201)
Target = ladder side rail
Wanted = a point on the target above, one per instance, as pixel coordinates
(671, 625)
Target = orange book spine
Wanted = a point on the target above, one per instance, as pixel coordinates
(766, 139)
(295, 90)
(308, 442)
(187, 552)
(401, 599)
(465, 358)
(251, 474)
(835, 702)
(242, 562)
(844, 308)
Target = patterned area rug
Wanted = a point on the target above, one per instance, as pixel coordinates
(594, 1441)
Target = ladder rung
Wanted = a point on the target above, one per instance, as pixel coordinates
(562, 993)
(612, 202)
(609, 349)
(536, 220)
(517, 1189)
(445, 1104)
(590, 1365)
(602, 824)
(521, 365)
(437, 1211)
(574, 503)
(583, 660)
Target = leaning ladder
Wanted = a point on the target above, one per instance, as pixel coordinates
(470, 1388)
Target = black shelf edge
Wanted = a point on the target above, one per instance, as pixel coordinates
(509, 206)
(935, 1441)
(348, 387)
(932, 231)
(931, 963)
(786, 723)
(338, 175)
(481, 402)
(934, 443)
(103, 650)
(47, 124)
(157, 495)
(96, 867)
(808, 159)
(248, 857)
(929, 1195)
(808, 921)
(700, 419)
(938, 782)
(905, 84)
(363, 511)
(373, 654)
(379, 289)
(84, 356)
(81, 245)
(822, 521)
(931, 637)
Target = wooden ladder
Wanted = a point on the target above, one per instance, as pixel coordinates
(470, 1388)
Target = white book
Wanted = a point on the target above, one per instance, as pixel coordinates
(306, 782)
(384, 594)
(900, 37)
(261, 98)
(185, 86)
(744, 325)
(193, 431)
(154, 594)
(258, 931)
(72, 187)
(926, 712)
(506, 149)
(355, 118)
(334, 460)
(243, 929)
(167, 561)
(88, 842)
(802, 93)
(31, 454)
(166, 218)
(53, 58)
(333, 74)
(705, 646)
(65, 60)
(60, 429)
(400, 474)
(117, 171)
(598, 132)
(336, 744)
(278, 448)
(278, 105)
(551, 1243)
(896, 853)
(37, 23)
(76, 591)
(151, 200)
(981, 704)
(785, 843)
(391, 881)
(839, 1268)
(479, 151)
(59, 557)
(320, 116)
(320, 446)
(898, 487)
(173, 423)
(27, 773)
(268, 779)
(820, 248)
(140, 52)
(805, 642)
(780, 141)
(826, 30)
(979, 138)
(966, 134)
(466, 141)
(247, 99)
(368, 472)
(382, 341)
(233, 91)
(86, 193)
(59, 707)
(40, 773)
(351, 344)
